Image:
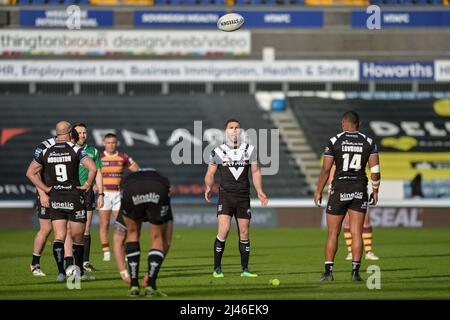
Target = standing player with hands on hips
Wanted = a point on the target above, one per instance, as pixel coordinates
(60, 163)
(351, 151)
(234, 159)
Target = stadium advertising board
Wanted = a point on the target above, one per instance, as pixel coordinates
(175, 71)
(404, 19)
(129, 42)
(442, 70)
(208, 19)
(384, 70)
(412, 135)
(60, 18)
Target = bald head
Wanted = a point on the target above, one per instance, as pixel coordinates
(63, 129)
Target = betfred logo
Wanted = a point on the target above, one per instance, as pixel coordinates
(9, 133)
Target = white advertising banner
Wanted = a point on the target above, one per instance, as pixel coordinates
(175, 71)
(134, 42)
(442, 70)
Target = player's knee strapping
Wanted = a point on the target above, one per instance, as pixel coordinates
(155, 260)
(219, 248)
(133, 252)
(244, 250)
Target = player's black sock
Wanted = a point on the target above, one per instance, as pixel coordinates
(78, 255)
(58, 253)
(36, 259)
(155, 260)
(219, 248)
(244, 249)
(329, 266)
(87, 247)
(133, 252)
(355, 266)
(68, 261)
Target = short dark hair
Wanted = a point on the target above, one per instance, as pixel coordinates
(231, 120)
(110, 135)
(79, 124)
(351, 116)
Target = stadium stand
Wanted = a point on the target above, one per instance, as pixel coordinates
(412, 135)
(234, 2)
(35, 116)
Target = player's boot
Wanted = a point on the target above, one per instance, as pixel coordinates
(36, 270)
(248, 274)
(371, 256)
(349, 256)
(150, 292)
(61, 277)
(356, 276)
(327, 276)
(87, 266)
(218, 273)
(134, 291)
(106, 256)
(87, 277)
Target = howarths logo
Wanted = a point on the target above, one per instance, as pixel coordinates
(7, 134)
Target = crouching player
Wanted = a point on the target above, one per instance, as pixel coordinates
(145, 196)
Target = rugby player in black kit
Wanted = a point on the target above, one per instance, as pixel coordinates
(351, 151)
(60, 163)
(145, 196)
(233, 159)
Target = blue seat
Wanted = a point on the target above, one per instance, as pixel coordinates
(54, 1)
(23, 1)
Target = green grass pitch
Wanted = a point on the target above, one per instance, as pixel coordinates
(414, 265)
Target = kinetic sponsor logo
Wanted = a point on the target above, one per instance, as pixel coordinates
(146, 198)
(63, 205)
(350, 196)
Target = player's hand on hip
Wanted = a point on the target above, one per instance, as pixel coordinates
(208, 194)
(318, 200)
(85, 187)
(263, 198)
